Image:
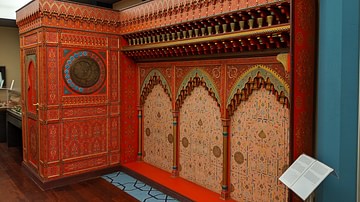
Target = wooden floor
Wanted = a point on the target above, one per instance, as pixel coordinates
(16, 186)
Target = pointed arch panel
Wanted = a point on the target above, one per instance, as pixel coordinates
(200, 139)
(194, 79)
(257, 77)
(158, 129)
(260, 148)
(154, 77)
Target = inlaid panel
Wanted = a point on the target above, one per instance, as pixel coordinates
(158, 129)
(201, 140)
(260, 130)
(84, 137)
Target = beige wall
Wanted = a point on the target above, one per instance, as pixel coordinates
(10, 55)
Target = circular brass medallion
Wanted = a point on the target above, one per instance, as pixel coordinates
(84, 72)
(217, 151)
(185, 142)
(239, 157)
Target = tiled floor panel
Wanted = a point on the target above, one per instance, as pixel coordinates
(137, 188)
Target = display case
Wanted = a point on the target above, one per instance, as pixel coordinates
(4, 98)
(14, 101)
(10, 99)
(10, 116)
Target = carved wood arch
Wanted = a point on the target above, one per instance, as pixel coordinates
(147, 88)
(255, 84)
(186, 91)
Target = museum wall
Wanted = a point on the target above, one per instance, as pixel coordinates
(10, 55)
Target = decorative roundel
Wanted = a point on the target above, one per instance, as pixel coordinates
(84, 72)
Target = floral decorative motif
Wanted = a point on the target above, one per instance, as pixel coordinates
(239, 157)
(201, 146)
(185, 142)
(262, 126)
(33, 134)
(84, 137)
(216, 151)
(158, 123)
(170, 138)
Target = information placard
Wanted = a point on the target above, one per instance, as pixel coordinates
(304, 175)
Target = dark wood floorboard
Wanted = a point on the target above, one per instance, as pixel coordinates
(16, 186)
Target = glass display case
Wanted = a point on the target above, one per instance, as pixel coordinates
(10, 99)
(4, 97)
(14, 101)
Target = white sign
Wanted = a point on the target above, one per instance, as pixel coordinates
(304, 175)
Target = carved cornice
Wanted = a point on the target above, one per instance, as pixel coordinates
(205, 39)
(28, 10)
(158, 10)
(262, 27)
(67, 11)
(274, 37)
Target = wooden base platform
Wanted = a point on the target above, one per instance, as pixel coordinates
(182, 187)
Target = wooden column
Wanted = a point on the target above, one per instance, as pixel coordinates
(225, 194)
(175, 171)
(140, 146)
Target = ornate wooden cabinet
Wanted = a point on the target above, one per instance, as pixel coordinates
(71, 86)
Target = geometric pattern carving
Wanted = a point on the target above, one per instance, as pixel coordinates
(84, 137)
(84, 111)
(152, 79)
(33, 134)
(260, 129)
(159, 13)
(158, 123)
(249, 82)
(195, 79)
(129, 91)
(93, 99)
(89, 40)
(31, 39)
(53, 139)
(201, 140)
(84, 164)
(53, 75)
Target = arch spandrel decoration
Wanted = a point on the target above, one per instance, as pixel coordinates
(255, 78)
(154, 77)
(195, 78)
